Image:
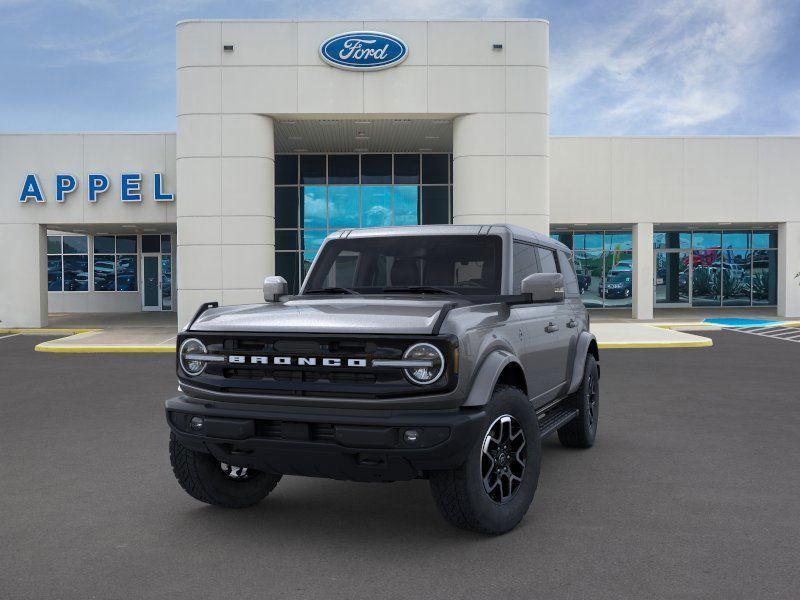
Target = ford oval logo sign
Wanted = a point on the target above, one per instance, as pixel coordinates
(363, 50)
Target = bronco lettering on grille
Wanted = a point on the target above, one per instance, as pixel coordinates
(300, 361)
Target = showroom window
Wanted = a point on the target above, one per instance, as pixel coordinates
(67, 263)
(716, 267)
(603, 264)
(115, 263)
(316, 194)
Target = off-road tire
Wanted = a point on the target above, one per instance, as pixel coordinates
(459, 493)
(582, 430)
(202, 478)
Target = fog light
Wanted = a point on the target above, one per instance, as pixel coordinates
(411, 436)
(196, 423)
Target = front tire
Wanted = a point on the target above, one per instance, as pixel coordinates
(582, 430)
(206, 479)
(491, 492)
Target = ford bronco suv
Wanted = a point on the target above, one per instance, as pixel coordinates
(442, 352)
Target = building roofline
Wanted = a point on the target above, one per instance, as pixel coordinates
(463, 20)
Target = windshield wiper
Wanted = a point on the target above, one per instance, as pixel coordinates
(420, 289)
(332, 290)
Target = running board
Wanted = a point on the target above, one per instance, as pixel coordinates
(555, 418)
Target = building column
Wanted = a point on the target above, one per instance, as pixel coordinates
(226, 222)
(788, 267)
(501, 170)
(642, 271)
(23, 271)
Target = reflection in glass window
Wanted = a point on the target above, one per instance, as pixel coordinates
(126, 244)
(54, 244)
(618, 241)
(589, 267)
(376, 206)
(166, 244)
(313, 207)
(617, 285)
(735, 277)
(525, 264)
(126, 273)
(736, 239)
(765, 277)
(76, 273)
(75, 244)
(343, 206)
(547, 260)
(104, 244)
(672, 277)
(706, 277)
(707, 239)
(765, 239)
(104, 272)
(54, 276)
(406, 205)
(166, 282)
(312, 239)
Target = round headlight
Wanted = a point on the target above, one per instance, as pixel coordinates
(191, 347)
(427, 353)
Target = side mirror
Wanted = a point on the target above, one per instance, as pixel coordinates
(274, 287)
(544, 287)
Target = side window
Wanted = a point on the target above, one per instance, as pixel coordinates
(547, 259)
(570, 278)
(525, 264)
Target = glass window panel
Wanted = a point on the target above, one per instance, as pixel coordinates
(343, 168)
(376, 168)
(376, 206)
(313, 207)
(54, 279)
(76, 273)
(564, 237)
(312, 168)
(75, 244)
(736, 239)
(588, 241)
(765, 239)
(406, 168)
(618, 241)
(765, 277)
(104, 272)
(126, 244)
(166, 244)
(589, 267)
(706, 277)
(343, 206)
(286, 265)
(570, 278)
(735, 277)
(126, 274)
(547, 260)
(435, 205)
(312, 240)
(706, 239)
(166, 282)
(617, 286)
(150, 243)
(285, 169)
(104, 244)
(286, 239)
(286, 207)
(672, 277)
(306, 258)
(672, 239)
(406, 205)
(54, 244)
(434, 168)
(525, 263)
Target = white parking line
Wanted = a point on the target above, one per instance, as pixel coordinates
(2, 337)
(790, 334)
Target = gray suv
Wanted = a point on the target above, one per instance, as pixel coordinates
(437, 352)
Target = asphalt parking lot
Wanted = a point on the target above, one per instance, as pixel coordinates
(692, 491)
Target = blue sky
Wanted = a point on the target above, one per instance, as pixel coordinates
(617, 68)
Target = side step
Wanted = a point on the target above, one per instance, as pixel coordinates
(555, 418)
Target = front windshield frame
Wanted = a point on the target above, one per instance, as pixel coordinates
(475, 248)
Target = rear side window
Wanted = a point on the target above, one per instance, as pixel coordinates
(570, 278)
(525, 264)
(547, 260)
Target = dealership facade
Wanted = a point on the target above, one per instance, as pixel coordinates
(279, 143)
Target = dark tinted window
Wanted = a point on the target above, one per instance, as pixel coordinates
(406, 168)
(547, 260)
(286, 239)
(104, 244)
(464, 264)
(312, 168)
(376, 168)
(126, 244)
(435, 205)
(525, 264)
(150, 243)
(75, 244)
(286, 169)
(343, 168)
(570, 279)
(54, 244)
(285, 207)
(434, 168)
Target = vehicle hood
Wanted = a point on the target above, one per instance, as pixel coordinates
(327, 315)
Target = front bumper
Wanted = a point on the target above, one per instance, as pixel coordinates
(357, 445)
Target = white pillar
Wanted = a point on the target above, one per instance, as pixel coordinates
(23, 272)
(788, 267)
(642, 271)
(226, 222)
(501, 170)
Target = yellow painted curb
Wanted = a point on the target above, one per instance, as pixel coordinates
(45, 347)
(704, 343)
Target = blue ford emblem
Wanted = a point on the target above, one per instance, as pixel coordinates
(363, 50)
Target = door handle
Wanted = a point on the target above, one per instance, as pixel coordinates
(551, 328)
(572, 323)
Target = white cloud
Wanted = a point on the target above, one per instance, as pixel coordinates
(669, 69)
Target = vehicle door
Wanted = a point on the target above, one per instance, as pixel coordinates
(538, 346)
(577, 312)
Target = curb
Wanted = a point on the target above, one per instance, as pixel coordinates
(44, 347)
(704, 343)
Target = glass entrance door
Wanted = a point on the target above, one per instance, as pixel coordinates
(151, 276)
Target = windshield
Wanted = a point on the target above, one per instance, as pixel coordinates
(462, 264)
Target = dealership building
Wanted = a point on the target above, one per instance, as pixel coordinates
(290, 130)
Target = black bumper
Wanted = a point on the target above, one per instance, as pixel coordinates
(338, 444)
